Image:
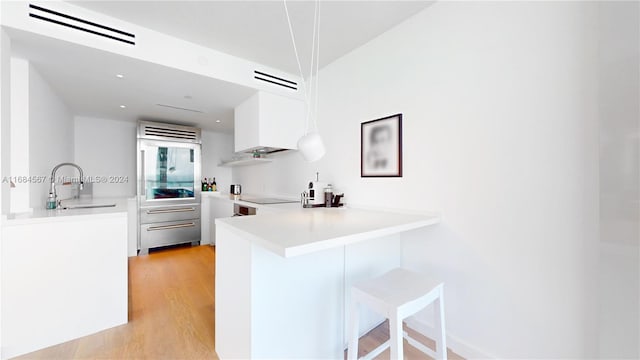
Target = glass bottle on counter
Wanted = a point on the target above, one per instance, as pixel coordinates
(214, 185)
(328, 195)
(204, 184)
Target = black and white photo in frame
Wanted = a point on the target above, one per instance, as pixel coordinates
(381, 147)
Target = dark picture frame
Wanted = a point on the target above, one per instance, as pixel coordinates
(381, 147)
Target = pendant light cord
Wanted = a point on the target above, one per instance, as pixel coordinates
(315, 110)
(295, 49)
(311, 125)
(315, 59)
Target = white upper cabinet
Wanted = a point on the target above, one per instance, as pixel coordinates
(267, 122)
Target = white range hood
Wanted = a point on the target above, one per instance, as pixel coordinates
(268, 123)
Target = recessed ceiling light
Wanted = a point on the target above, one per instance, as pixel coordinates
(218, 121)
(123, 106)
(119, 76)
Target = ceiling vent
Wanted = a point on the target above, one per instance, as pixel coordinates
(73, 22)
(180, 108)
(161, 131)
(272, 79)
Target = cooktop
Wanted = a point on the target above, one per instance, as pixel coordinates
(264, 201)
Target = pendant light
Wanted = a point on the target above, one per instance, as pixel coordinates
(310, 146)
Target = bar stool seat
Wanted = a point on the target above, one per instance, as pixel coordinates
(397, 295)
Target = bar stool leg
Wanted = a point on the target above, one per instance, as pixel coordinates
(396, 336)
(441, 342)
(352, 351)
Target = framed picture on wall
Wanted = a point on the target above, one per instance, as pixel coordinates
(381, 147)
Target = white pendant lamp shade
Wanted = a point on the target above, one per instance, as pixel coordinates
(311, 147)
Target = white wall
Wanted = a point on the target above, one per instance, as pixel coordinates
(105, 148)
(50, 135)
(618, 316)
(217, 147)
(500, 135)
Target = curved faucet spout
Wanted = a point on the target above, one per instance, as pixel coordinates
(55, 170)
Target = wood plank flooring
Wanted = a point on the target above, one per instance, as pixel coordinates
(171, 314)
(380, 334)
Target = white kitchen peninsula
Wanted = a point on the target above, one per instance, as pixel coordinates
(64, 275)
(282, 278)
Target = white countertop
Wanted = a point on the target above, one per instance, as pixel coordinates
(45, 215)
(279, 207)
(302, 231)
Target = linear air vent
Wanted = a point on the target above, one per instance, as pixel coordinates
(180, 108)
(73, 22)
(262, 76)
(160, 131)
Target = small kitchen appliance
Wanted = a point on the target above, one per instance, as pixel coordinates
(320, 195)
(235, 191)
(316, 192)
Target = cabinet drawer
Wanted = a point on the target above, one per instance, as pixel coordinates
(169, 233)
(169, 213)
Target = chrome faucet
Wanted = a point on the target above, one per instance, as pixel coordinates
(52, 201)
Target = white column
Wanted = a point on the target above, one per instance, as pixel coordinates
(5, 113)
(19, 153)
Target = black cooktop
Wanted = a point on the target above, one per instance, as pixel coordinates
(264, 201)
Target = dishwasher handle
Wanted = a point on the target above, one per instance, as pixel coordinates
(169, 227)
(166, 211)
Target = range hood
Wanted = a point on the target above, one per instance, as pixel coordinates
(268, 123)
(266, 150)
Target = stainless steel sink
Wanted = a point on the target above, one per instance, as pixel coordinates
(86, 206)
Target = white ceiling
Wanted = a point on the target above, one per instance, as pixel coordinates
(85, 79)
(255, 30)
(258, 31)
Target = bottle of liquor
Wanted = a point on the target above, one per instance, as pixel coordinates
(204, 184)
(214, 186)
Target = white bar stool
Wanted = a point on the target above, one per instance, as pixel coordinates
(397, 295)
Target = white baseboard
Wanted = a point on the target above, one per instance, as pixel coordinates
(454, 343)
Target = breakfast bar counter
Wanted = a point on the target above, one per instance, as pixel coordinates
(305, 231)
(282, 279)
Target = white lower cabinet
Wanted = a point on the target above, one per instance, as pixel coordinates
(213, 206)
(220, 208)
(62, 279)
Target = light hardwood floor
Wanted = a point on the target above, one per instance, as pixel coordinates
(380, 334)
(171, 314)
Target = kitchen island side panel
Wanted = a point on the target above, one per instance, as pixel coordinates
(268, 306)
(232, 295)
(297, 305)
(62, 278)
